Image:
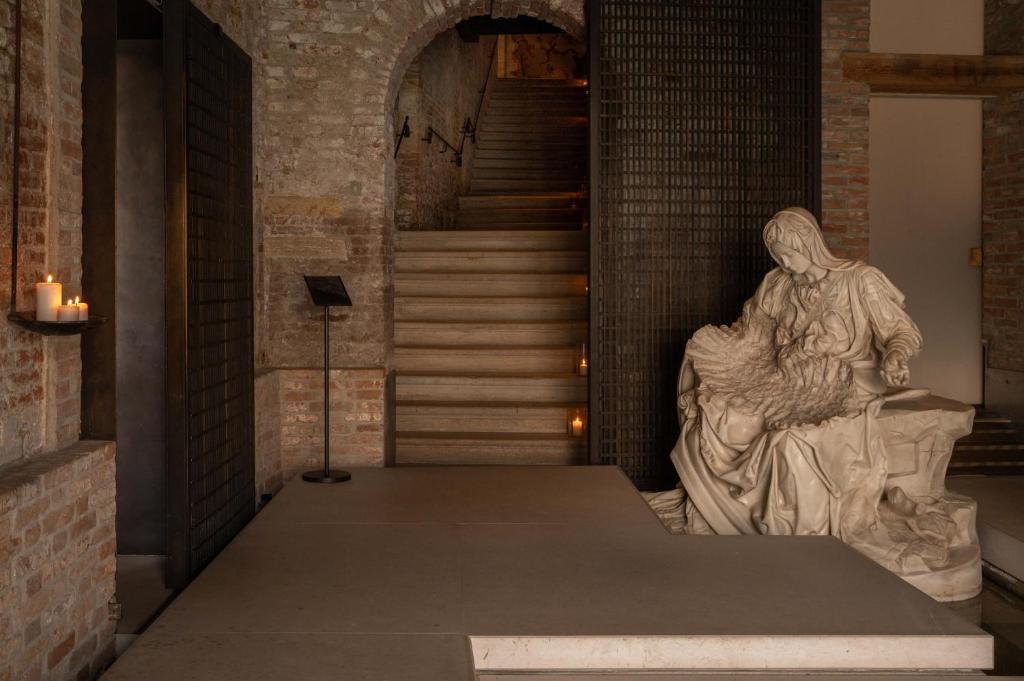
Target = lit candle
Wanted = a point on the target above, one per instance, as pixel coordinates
(83, 310)
(577, 426)
(583, 367)
(67, 313)
(48, 297)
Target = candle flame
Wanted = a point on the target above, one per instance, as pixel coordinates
(49, 278)
(76, 300)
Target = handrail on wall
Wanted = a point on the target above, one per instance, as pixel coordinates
(469, 128)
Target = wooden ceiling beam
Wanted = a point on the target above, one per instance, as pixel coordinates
(936, 74)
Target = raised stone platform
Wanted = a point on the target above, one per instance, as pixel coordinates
(442, 573)
(1000, 519)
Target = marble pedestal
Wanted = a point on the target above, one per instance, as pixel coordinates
(919, 436)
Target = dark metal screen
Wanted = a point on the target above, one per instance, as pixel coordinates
(705, 121)
(218, 135)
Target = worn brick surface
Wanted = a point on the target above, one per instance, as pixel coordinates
(845, 26)
(1003, 198)
(541, 56)
(268, 432)
(333, 71)
(441, 89)
(57, 562)
(40, 378)
(357, 418)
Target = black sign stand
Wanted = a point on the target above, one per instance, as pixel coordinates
(327, 292)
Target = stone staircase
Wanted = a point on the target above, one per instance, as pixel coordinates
(490, 317)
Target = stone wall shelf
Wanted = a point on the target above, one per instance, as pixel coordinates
(966, 75)
(27, 320)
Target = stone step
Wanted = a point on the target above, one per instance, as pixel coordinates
(487, 360)
(469, 308)
(577, 174)
(554, 148)
(471, 218)
(423, 449)
(484, 284)
(542, 387)
(511, 226)
(540, 163)
(455, 334)
(508, 151)
(545, 84)
(560, 108)
(469, 240)
(530, 121)
(484, 419)
(507, 186)
(569, 135)
(491, 261)
(521, 201)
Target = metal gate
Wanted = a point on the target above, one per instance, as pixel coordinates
(210, 299)
(705, 120)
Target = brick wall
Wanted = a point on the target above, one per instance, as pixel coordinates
(268, 432)
(331, 72)
(357, 419)
(440, 89)
(541, 56)
(1003, 199)
(845, 26)
(40, 377)
(57, 561)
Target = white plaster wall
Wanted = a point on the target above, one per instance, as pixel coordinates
(925, 193)
(928, 26)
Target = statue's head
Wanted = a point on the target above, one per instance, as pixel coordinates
(794, 240)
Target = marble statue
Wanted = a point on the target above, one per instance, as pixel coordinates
(796, 421)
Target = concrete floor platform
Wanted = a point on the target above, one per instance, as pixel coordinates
(1000, 518)
(443, 573)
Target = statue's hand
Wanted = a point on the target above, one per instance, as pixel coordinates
(894, 367)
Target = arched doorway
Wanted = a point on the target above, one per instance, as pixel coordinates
(488, 250)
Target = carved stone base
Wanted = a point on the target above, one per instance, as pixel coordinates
(919, 434)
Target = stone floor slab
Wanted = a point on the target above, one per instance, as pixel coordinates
(567, 565)
(580, 495)
(327, 578)
(288, 657)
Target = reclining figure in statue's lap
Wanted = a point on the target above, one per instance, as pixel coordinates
(779, 413)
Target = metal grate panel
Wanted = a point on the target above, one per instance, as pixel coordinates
(706, 122)
(218, 105)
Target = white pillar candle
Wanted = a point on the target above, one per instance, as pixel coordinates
(67, 313)
(48, 297)
(83, 310)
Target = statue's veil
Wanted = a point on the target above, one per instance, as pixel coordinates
(797, 228)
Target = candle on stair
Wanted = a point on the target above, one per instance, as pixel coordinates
(48, 297)
(577, 425)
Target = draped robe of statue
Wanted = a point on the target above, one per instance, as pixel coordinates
(779, 416)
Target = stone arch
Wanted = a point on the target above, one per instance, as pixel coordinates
(414, 31)
(567, 15)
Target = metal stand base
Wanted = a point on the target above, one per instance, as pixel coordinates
(326, 476)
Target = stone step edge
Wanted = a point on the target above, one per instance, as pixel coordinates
(709, 653)
(492, 404)
(484, 436)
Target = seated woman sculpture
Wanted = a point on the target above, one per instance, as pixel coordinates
(779, 411)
